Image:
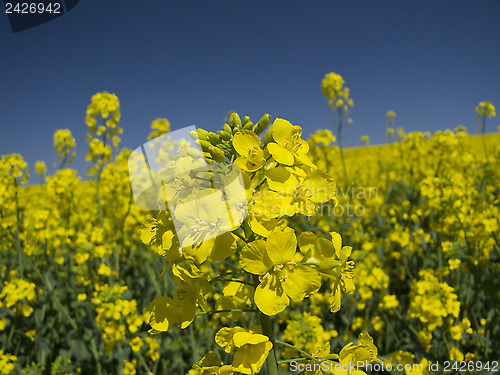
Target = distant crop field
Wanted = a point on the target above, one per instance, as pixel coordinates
(382, 257)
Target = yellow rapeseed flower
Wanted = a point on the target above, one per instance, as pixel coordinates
(281, 279)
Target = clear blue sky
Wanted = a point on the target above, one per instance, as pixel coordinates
(192, 61)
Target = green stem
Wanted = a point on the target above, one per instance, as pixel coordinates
(143, 362)
(267, 329)
(95, 353)
(64, 160)
(341, 121)
(235, 281)
(291, 360)
(98, 196)
(12, 329)
(483, 130)
(98, 182)
(408, 326)
(227, 274)
(240, 236)
(306, 354)
(225, 311)
(17, 240)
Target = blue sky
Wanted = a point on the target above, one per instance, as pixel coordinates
(192, 61)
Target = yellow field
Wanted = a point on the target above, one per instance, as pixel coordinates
(391, 261)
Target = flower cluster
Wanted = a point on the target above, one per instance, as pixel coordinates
(64, 143)
(103, 116)
(274, 267)
(271, 287)
(334, 89)
(16, 293)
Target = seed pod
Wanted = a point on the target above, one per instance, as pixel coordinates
(248, 125)
(262, 124)
(217, 154)
(227, 128)
(225, 135)
(214, 138)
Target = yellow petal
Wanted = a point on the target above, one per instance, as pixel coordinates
(301, 281)
(335, 297)
(199, 252)
(224, 337)
(269, 204)
(249, 165)
(321, 185)
(315, 247)
(164, 314)
(281, 131)
(243, 338)
(224, 246)
(244, 141)
(270, 297)
(262, 227)
(348, 286)
(210, 360)
(254, 258)
(281, 245)
(281, 180)
(148, 231)
(250, 358)
(280, 154)
(337, 243)
(345, 253)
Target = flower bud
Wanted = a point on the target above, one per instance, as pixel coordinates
(225, 135)
(193, 134)
(268, 137)
(227, 128)
(214, 138)
(245, 120)
(204, 145)
(217, 154)
(202, 134)
(248, 125)
(193, 152)
(235, 122)
(262, 124)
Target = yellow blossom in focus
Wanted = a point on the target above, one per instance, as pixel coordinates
(252, 349)
(281, 281)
